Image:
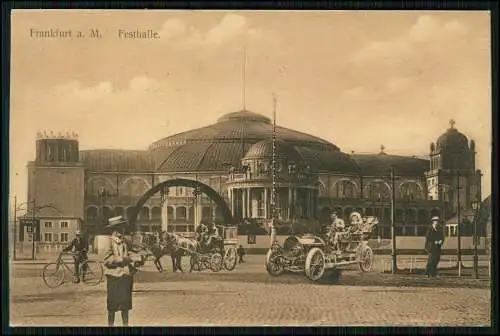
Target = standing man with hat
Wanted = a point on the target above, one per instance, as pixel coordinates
(433, 243)
(119, 270)
(79, 247)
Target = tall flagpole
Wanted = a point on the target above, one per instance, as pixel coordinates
(274, 177)
(244, 77)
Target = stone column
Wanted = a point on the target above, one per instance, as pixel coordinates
(197, 210)
(265, 202)
(290, 203)
(164, 215)
(249, 202)
(243, 203)
(231, 197)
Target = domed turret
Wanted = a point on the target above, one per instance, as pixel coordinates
(452, 150)
(264, 149)
(452, 141)
(229, 140)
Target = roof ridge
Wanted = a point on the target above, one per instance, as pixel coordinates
(200, 161)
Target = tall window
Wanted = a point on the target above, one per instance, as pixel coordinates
(64, 225)
(134, 187)
(180, 212)
(344, 189)
(410, 191)
(48, 237)
(48, 225)
(377, 191)
(64, 237)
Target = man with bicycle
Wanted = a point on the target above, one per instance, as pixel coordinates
(79, 247)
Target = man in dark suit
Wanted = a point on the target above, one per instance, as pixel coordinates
(433, 242)
(79, 247)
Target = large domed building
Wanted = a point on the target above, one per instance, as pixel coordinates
(233, 156)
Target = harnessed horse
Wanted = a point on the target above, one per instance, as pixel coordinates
(156, 247)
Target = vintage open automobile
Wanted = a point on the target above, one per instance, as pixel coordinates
(315, 256)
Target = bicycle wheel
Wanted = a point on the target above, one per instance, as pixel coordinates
(91, 272)
(53, 275)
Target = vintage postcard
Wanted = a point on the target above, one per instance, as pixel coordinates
(250, 168)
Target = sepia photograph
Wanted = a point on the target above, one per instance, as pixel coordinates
(250, 168)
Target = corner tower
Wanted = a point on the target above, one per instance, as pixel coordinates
(56, 186)
(452, 177)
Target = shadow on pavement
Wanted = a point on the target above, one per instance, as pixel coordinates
(347, 278)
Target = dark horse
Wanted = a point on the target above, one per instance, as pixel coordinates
(156, 247)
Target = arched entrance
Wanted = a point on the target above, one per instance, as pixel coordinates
(225, 212)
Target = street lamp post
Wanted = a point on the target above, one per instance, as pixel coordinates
(393, 222)
(459, 231)
(475, 207)
(101, 193)
(17, 208)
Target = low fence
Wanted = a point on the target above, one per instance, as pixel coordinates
(260, 245)
(404, 242)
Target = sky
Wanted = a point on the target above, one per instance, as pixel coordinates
(359, 79)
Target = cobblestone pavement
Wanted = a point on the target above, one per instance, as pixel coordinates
(248, 296)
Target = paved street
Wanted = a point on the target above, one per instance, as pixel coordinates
(248, 296)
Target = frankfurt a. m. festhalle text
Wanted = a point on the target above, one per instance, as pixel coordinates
(125, 34)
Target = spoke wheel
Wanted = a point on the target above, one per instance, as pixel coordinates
(216, 262)
(366, 259)
(195, 263)
(230, 258)
(53, 275)
(315, 264)
(91, 272)
(274, 263)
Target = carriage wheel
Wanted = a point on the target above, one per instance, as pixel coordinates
(230, 258)
(92, 272)
(53, 275)
(274, 263)
(366, 259)
(216, 262)
(194, 263)
(315, 264)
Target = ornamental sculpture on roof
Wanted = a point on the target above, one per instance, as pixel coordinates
(60, 135)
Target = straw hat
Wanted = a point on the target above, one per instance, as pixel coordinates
(114, 222)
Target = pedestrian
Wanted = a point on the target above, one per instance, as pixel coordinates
(433, 243)
(241, 254)
(119, 271)
(176, 256)
(79, 247)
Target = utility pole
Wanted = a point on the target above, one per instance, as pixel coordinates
(393, 222)
(34, 233)
(459, 236)
(274, 172)
(476, 207)
(15, 227)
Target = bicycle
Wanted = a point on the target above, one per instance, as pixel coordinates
(91, 271)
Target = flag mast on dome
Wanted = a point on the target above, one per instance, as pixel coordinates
(243, 97)
(274, 210)
(244, 77)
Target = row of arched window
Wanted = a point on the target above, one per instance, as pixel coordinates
(377, 191)
(408, 215)
(173, 212)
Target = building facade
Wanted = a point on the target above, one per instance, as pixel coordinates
(233, 157)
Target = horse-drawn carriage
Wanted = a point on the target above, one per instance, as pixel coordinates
(219, 253)
(213, 251)
(317, 257)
